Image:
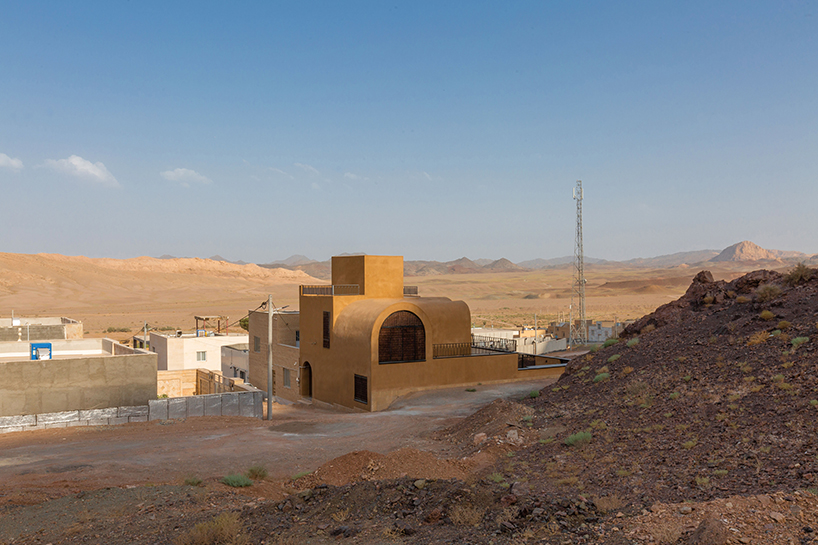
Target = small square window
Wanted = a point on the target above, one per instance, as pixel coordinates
(201, 356)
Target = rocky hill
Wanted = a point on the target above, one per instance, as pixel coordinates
(709, 396)
(748, 251)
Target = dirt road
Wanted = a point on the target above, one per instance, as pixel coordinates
(39, 465)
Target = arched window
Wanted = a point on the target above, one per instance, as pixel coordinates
(402, 338)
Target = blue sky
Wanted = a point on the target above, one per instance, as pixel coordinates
(432, 130)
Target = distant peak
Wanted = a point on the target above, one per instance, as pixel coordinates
(745, 251)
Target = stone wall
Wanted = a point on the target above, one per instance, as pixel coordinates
(33, 333)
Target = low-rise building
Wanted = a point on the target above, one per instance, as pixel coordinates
(288, 376)
(73, 374)
(191, 351)
(27, 329)
(236, 360)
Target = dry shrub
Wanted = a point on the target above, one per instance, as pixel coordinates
(798, 275)
(638, 388)
(783, 324)
(757, 338)
(340, 516)
(668, 531)
(627, 370)
(767, 292)
(766, 315)
(708, 299)
(610, 503)
(466, 515)
(741, 299)
(507, 515)
(224, 529)
(647, 329)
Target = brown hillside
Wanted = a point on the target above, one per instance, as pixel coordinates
(125, 293)
(711, 395)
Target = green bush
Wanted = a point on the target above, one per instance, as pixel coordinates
(578, 439)
(193, 481)
(633, 342)
(300, 474)
(496, 477)
(610, 342)
(534, 393)
(614, 358)
(798, 341)
(602, 376)
(237, 481)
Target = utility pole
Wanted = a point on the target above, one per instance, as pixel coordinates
(269, 357)
(145, 344)
(578, 335)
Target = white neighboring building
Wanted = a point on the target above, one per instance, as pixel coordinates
(188, 351)
(527, 340)
(236, 361)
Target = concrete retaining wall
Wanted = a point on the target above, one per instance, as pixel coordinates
(66, 419)
(249, 404)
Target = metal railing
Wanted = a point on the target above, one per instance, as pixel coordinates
(410, 291)
(528, 361)
(335, 289)
(494, 343)
(462, 350)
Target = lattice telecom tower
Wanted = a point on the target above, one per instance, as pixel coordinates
(578, 333)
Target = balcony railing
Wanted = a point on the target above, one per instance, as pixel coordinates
(461, 350)
(494, 343)
(410, 291)
(335, 289)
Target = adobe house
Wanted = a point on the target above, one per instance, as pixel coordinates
(367, 339)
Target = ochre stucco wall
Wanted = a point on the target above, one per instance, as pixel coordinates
(46, 386)
(355, 326)
(392, 380)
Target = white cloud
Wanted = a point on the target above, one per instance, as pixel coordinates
(8, 162)
(82, 168)
(351, 176)
(307, 168)
(427, 176)
(185, 176)
(279, 171)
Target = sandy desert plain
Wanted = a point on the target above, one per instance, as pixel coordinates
(167, 293)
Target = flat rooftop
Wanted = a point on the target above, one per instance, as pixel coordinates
(63, 349)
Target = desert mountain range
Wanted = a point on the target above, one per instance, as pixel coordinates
(744, 252)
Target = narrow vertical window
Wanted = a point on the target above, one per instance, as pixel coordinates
(256, 344)
(360, 389)
(326, 329)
